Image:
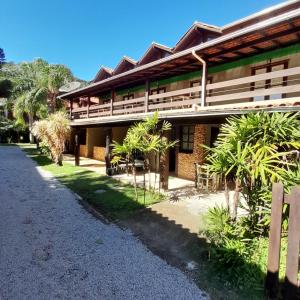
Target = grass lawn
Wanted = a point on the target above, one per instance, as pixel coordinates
(114, 199)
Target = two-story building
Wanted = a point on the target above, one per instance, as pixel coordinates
(211, 73)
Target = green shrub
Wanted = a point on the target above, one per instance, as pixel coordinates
(238, 259)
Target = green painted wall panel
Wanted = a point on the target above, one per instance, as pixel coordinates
(220, 68)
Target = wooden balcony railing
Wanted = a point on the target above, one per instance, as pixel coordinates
(272, 85)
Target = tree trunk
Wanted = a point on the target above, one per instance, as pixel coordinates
(156, 170)
(236, 199)
(227, 196)
(59, 160)
(30, 124)
(134, 181)
(147, 168)
(52, 101)
(144, 186)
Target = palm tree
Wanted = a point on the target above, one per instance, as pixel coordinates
(125, 152)
(55, 77)
(53, 133)
(146, 137)
(252, 149)
(30, 95)
(35, 84)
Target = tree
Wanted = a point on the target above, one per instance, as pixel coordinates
(53, 133)
(254, 151)
(35, 85)
(30, 95)
(125, 152)
(6, 87)
(2, 57)
(146, 138)
(55, 77)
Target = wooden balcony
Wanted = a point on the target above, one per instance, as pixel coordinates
(268, 86)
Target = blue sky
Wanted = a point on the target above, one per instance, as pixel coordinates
(85, 34)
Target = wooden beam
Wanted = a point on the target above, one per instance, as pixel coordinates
(108, 140)
(112, 100)
(292, 262)
(257, 41)
(259, 92)
(147, 92)
(88, 106)
(272, 279)
(71, 108)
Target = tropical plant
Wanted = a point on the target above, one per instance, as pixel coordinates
(35, 85)
(53, 133)
(146, 138)
(6, 87)
(55, 77)
(2, 57)
(254, 151)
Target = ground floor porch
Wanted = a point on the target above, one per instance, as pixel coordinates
(95, 143)
(151, 180)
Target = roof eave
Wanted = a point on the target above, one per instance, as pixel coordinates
(218, 40)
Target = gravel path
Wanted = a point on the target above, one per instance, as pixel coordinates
(51, 248)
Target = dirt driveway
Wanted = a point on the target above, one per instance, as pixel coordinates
(51, 248)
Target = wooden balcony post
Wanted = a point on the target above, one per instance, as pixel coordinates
(88, 107)
(147, 88)
(71, 108)
(112, 100)
(203, 85)
(76, 148)
(108, 140)
(272, 278)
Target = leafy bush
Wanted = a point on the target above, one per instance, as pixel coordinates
(238, 259)
(53, 133)
(254, 151)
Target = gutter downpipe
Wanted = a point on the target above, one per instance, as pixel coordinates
(204, 75)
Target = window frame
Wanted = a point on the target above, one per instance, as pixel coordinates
(190, 140)
(128, 96)
(268, 67)
(209, 80)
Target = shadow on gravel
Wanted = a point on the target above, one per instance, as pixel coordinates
(188, 252)
(175, 244)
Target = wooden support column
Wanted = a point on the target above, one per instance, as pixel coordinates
(147, 92)
(76, 148)
(71, 108)
(272, 279)
(108, 140)
(164, 166)
(112, 100)
(203, 85)
(292, 261)
(88, 107)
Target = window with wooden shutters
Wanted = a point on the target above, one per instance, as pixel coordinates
(269, 83)
(195, 83)
(157, 91)
(128, 97)
(187, 138)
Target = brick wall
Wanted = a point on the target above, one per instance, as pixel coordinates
(185, 161)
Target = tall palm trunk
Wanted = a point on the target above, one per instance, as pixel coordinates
(147, 168)
(52, 101)
(156, 170)
(30, 124)
(134, 181)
